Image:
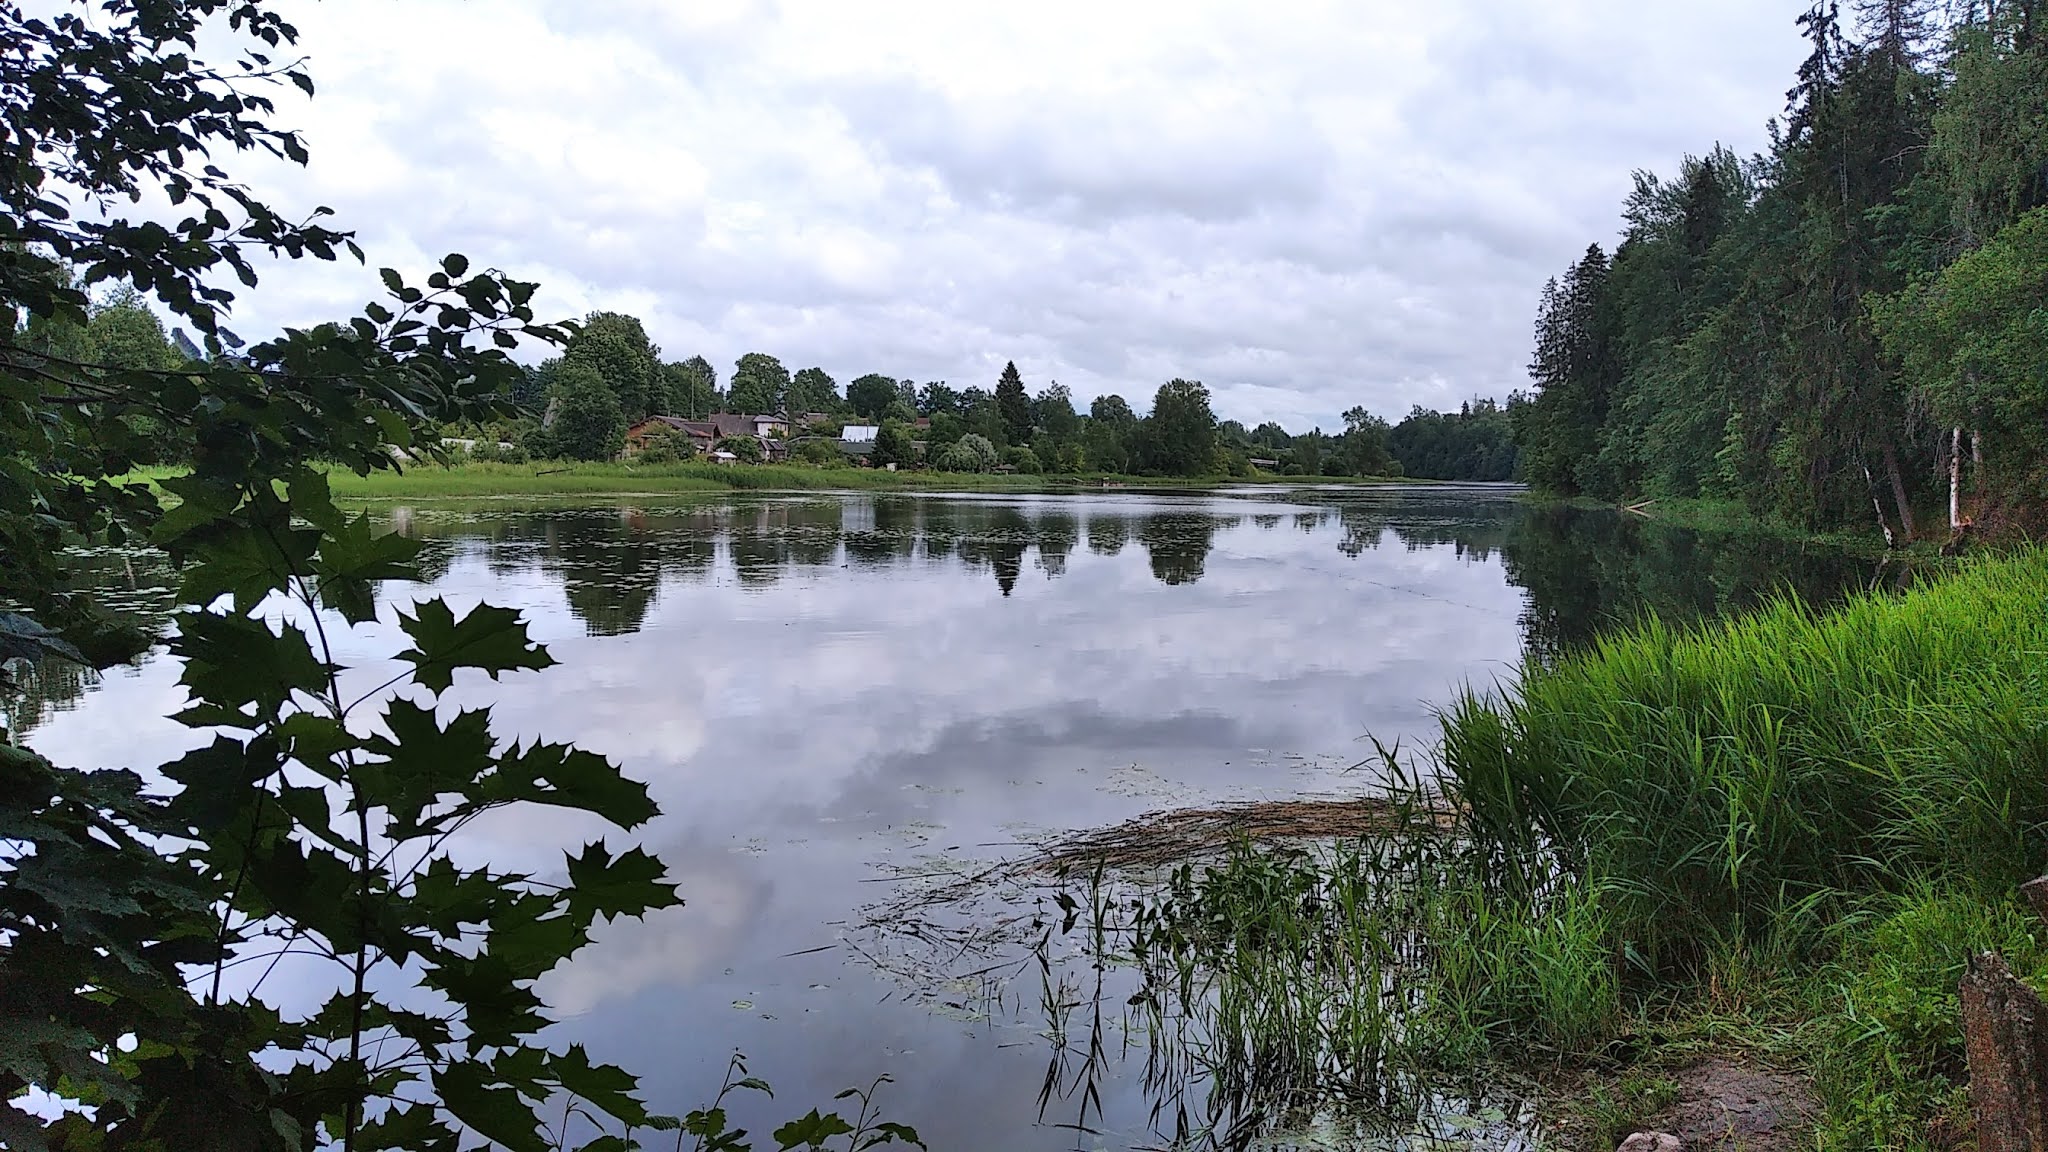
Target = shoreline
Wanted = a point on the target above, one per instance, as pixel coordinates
(471, 481)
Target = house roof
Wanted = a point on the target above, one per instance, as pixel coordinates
(736, 424)
(695, 429)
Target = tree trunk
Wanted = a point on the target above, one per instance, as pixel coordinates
(1877, 506)
(2005, 1036)
(1955, 479)
(1899, 497)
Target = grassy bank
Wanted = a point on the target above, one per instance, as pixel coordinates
(1734, 516)
(1781, 836)
(477, 479)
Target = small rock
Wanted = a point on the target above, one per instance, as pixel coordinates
(1650, 1142)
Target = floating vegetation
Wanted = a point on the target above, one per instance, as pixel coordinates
(1178, 836)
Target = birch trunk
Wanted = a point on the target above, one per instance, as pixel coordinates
(1877, 506)
(1955, 479)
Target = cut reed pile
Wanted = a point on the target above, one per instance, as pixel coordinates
(1178, 836)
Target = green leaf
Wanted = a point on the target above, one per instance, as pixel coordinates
(455, 264)
(248, 562)
(608, 1087)
(497, 1010)
(627, 886)
(314, 740)
(232, 662)
(569, 777)
(24, 637)
(310, 886)
(311, 500)
(414, 1128)
(489, 638)
(887, 1133)
(425, 760)
(201, 502)
(811, 1131)
(495, 1113)
(217, 783)
(352, 558)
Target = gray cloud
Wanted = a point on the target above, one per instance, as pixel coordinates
(1306, 205)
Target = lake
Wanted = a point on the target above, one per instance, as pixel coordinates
(838, 698)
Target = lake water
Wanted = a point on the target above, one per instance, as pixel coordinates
(833, 697)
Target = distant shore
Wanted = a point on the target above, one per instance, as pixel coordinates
(477, 480)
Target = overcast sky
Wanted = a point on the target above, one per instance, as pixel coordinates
(1306, 205)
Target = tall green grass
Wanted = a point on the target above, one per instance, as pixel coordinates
(1788, 830)
(1720, 779)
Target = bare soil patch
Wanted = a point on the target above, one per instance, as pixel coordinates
(1724, 1105)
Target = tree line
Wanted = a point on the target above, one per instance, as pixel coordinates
(611, 376)
(1845, 329)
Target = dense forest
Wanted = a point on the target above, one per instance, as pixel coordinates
(1846, 330)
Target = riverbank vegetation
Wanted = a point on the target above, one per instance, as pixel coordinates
(1782, 836)
(1845, 330)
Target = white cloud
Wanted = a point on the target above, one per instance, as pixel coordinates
(1307, 205)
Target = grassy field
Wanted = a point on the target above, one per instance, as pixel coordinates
(1780, 837)
(474, 480)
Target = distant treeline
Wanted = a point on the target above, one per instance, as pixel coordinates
(611, 376)
(1849, 328)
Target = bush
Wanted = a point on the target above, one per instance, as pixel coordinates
(970, 453)
(746, 449)
(667, 446)
(1023, 460)
(819, 454)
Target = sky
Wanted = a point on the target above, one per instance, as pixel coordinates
(1306, 205)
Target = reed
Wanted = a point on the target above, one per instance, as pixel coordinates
(1785, 831)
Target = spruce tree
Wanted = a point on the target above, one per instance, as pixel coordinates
(1014, 404)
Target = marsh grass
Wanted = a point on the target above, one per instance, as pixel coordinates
(1783, 833)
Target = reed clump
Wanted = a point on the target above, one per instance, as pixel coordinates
(1785, 832)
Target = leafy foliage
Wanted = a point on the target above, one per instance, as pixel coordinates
(1779, 330)
(137, 929)
(760, 384)
(871, 395)
(586, 421)
(616, 348)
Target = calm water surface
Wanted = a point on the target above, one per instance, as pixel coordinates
(834, 696)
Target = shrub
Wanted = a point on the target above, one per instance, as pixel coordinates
(667, 446)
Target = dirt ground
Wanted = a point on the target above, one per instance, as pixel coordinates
(1724, 1106)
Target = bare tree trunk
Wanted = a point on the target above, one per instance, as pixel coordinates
(1899, 497)
(2005, 1037)
(1955, 479)
(1877, 506)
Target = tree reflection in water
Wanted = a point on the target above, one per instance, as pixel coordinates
(1583, 571)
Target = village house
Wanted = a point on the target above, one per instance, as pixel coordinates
(706, 433)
